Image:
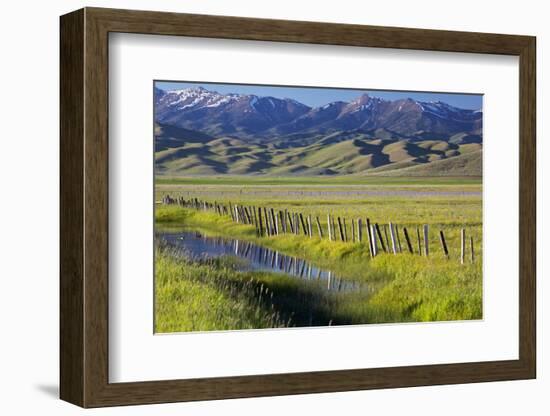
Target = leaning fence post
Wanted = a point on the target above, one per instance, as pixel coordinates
(398, 239)
(274, 222)
(304, 228)
(345, 229)
(407, 239)
(372, 237)
(369, 236)
(443, 243)
(340, 229)
(267, 223)
(426, 241)
(319, 227)
(290, 225)
(380, 237)
(309, 226)
(385, 227)
(392, 235)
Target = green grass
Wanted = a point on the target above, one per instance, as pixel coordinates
(192, 297)
(404, 287)
(451, 206)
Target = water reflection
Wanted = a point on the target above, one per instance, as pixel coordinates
(257, 258)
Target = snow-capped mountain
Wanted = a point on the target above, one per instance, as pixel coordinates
(248, 116)
(214, 113)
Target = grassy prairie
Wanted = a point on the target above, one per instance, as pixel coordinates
(405, 288)
(449, 207)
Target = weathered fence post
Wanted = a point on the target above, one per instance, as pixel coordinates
(393, 241)
(352, 230)
(399, 249)
(345, 229)
(407, 240)
(385, 227)
(267, 222)
(426, 241)
(319, 227)
(443, 243)
(309, 226)
(369, 236)
(304, 228)
(372, 237)
(380, 237)
(260, 221)
(462, 245)
(359, 230)
(274, 222)
(340, 229)
(289, 221)
(472, 249)
(328, 227)
(253, 209)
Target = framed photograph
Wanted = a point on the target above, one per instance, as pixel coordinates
(260, 207)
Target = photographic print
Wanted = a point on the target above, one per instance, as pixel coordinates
(296, 206)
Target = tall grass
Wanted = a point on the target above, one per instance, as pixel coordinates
(404, 288)
(194, 296)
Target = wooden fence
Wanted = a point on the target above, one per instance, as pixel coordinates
(380, 238)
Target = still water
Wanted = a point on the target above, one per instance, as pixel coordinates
(256, 258)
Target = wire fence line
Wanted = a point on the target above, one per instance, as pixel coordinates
(380, 238)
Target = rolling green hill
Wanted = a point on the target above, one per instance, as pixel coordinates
(180, 152)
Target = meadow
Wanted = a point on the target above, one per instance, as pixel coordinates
(198, 294)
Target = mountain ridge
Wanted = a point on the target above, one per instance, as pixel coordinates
(256, 117)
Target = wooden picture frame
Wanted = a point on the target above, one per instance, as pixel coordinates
(84, 207)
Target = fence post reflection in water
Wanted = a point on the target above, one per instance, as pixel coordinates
(201, 247)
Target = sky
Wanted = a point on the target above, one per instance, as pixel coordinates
(316, 97)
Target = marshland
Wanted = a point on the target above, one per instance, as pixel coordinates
(216, 271)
